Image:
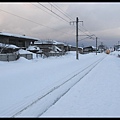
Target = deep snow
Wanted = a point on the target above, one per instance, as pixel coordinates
(96, 95)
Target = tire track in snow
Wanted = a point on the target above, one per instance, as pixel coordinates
(53, 92)
(71, 86)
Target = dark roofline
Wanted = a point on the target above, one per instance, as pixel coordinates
(18, 36)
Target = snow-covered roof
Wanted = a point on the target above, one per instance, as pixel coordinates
(75, 46)
(57, 48)
(49, 42)
(18, 36)
(118, 49)
(42, 42)
(58, 43)
(33, 48)
(90, 46)
(8, 46)
(93, 47)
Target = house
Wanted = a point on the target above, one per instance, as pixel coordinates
(51, 47)
(73, 48)
(63, 46)
(18, 40)
(116, 47)
(33, 48)
(12, 43)
(8, 48)
(45, 46)
(48, 45)
(89, 49)
(102, 48)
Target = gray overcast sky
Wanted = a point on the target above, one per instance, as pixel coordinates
(50, 20)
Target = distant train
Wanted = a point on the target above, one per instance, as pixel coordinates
(107, 51)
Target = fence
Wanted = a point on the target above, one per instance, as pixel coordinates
(48, 54)
(27, 56)
(12, 57)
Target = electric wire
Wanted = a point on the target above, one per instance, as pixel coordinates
(60, 11)
(45, 11)
(81, 28)
(32, 21)
(53, 12)
(72, 18)
(64, 12)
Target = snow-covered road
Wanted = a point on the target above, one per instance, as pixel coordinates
(34, 87)
(96, 95)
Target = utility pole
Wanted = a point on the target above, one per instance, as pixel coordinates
(118, 42)
(77, 38)
(77, 20)
(96, 45)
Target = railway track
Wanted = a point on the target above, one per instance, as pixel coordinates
(48, 99)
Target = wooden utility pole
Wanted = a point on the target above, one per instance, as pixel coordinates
(77, 38)
(96, 45)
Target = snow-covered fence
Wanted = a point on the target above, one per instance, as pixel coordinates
(8, 57)
(27, 56)
(12, 57)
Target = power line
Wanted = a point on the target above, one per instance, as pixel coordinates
(60, 11)
(45, 11)
(64, 12)
(50, 14)
(83, 30)
(69, 17)
(86, 30)
(64, 15)
(54, 12)
(89, 35)
(26, 19)
(31, 21)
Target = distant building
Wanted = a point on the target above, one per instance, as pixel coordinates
(116, 47)
(73, 48)
(15, 39)
(51, 45)
(8, 48)
(89, 49)
(102, 48)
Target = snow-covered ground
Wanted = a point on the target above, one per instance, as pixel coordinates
(61, 86)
